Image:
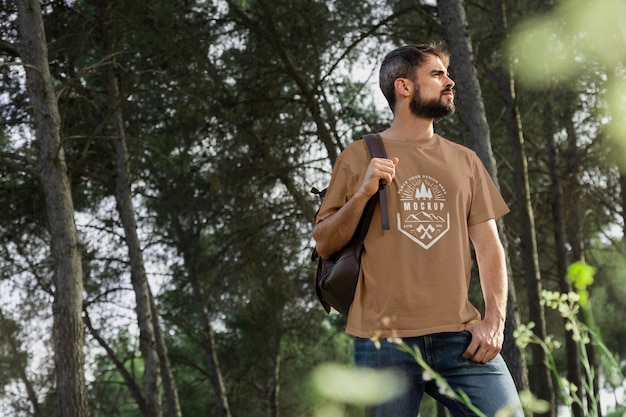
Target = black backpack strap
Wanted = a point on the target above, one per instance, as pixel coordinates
(376, 149)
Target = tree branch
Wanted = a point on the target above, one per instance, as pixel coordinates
(135, 391)
(8, 49)
(19, 163)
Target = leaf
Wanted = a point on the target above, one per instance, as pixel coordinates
(361, 386)
(580, 275)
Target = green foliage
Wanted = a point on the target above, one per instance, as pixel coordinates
(578, 32)
(609, 295)
(580, 275)
(569, 306)
(572, 40)
(109, 393)
(13, 359)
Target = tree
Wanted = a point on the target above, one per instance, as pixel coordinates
(574, 373)
(541, 381)
(147, 317)
(476, 135)
(65, 246)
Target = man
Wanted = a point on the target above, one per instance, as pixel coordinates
(415, 277)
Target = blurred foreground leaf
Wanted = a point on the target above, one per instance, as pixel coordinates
(579, 37)
(580, 275)
(561, 44)
(358, 386)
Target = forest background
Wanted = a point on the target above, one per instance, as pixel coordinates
(156, 160)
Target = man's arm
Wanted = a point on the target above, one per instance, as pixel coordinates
(488, 334)
(334, 232)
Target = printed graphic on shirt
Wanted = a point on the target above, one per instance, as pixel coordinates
(423, 214)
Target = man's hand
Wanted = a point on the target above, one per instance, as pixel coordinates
(332, 233)
(486, 341)
(378, 169)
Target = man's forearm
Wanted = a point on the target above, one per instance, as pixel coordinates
(491, 261)
(334, 232)
(495, 286)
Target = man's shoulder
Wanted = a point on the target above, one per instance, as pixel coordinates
(355, 149)
(457, 147)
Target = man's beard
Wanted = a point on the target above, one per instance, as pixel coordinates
(431, 109)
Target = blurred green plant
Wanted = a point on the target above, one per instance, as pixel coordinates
(339, 386)
(569, 306)
(577, 37)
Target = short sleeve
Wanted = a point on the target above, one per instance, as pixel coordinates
(346, 176)
(487, 202)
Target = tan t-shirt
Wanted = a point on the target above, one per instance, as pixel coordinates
(415, 277)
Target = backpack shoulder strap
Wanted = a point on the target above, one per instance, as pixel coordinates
(376, 149)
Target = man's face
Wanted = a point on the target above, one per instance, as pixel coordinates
(433, 96)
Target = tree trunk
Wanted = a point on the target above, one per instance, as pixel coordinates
(169, 382)
(512, 354)
(153, 347)
(573, 355)
(574, 226)
(68, 330)
(213, 365)
(541, 377)
(468, 98)
(528, 245)
(145, 319)
(274, 394)
(208, 345)
(476, 135)
(575, 235)
(123, 197)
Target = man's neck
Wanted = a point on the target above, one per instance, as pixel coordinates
(409, 127)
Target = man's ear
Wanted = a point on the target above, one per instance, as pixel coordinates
(403, 86)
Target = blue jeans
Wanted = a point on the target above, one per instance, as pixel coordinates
(488, 386)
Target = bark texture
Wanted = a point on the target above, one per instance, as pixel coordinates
(68, 330)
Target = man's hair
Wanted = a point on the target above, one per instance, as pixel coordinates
(403, 62)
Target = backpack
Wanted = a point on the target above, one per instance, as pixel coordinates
(336, 277)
